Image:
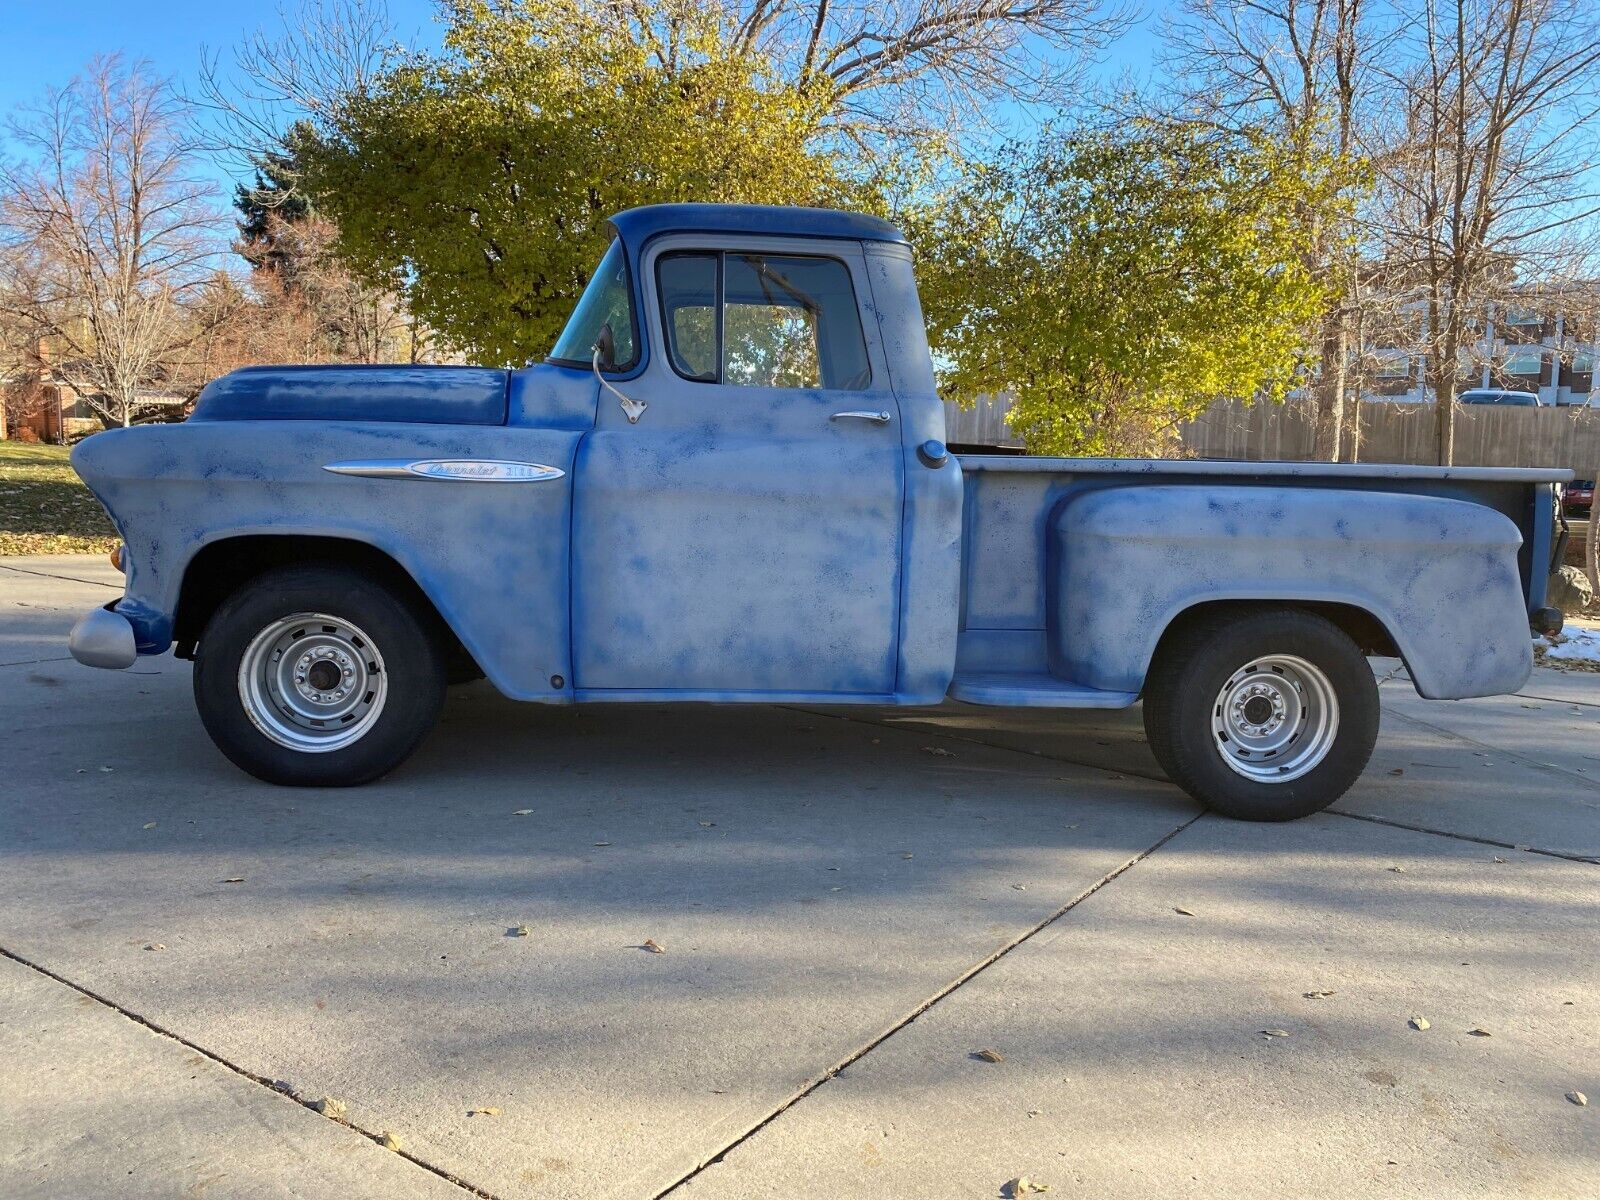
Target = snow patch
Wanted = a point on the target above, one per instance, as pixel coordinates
(1578, 644)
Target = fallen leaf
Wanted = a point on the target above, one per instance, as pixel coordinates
(1019, 887)
(329, 1107)
(1183, 912)
(154, 946)
(937, 751)
(523, 812)
(389, 1141)
(1579, 1099)
(282, 1085)
(602, 843)
(150, 825)
(990, 1056)
(1398, 771)
(232, 879)
(1420, 1023)
(1322, 995)
(908, 855)
(1479, 1033)
(107, 770)
(1274, 1033)
(517, 931)
(487, 1111)
(1498, 859)
(1398, 870)
(650, 945)
(1023, 1186)
(708, 824)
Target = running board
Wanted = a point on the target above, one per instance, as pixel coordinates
(1038, 690)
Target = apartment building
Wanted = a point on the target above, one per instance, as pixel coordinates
(1538, 348)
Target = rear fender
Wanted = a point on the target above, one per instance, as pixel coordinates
(1440, 575)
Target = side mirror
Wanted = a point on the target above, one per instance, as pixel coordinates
(605, 359)
(605, 349)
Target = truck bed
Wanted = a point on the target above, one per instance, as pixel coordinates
(1015, 645)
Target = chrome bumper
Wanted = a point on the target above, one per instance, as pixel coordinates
(102, 638)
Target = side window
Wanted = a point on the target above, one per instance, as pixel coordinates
(757, 320)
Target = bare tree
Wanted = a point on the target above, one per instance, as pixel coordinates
(109, 232)
(1486, 172)
(1298, 68)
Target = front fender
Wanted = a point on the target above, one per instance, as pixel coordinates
(1440, 574)
(491, 556)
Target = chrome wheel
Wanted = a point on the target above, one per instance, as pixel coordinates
(312, 682)
(1275, 719)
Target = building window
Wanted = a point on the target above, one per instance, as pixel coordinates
(1523, 316)
(1393, 365)
(1523, 362)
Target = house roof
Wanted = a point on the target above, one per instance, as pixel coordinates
(639, 225)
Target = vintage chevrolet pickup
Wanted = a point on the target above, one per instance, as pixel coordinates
(728, 482)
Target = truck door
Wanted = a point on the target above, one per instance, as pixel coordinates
(741, 539)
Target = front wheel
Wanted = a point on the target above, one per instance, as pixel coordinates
(1262, 715)
(317, 677)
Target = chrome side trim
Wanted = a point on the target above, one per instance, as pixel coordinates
(458, 470)
(102, 638)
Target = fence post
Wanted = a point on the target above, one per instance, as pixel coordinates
(1591, 543)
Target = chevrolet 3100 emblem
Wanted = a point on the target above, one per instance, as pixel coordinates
(465, 470)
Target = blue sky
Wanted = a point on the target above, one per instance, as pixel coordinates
(44, 44)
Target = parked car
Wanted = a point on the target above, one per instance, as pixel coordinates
(728, 483)
(1577, 498)
(1507, 399)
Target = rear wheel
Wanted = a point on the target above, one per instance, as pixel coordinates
(1262, 714)
(316, 676)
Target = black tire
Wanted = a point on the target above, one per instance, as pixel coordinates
(1186, 682)
(407, 654)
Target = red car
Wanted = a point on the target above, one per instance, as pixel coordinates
(1577, 498)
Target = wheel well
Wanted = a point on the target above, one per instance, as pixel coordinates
(1364, 629)
(223, 567)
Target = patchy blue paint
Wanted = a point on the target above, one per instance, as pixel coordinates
(1440, 575)
(421, 394)
(740, 544)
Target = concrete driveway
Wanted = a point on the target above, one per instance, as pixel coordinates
(855, 907)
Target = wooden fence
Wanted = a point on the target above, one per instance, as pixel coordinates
(1393, 432)
(1486, 435)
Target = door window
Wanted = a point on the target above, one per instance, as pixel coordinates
(762, 320)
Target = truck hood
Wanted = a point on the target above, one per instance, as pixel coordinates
(418, 394)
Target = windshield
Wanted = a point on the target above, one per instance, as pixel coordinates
(608, 298)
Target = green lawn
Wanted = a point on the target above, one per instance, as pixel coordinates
(44, 507)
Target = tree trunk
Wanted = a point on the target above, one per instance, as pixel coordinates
(1330, 391)
(1444, 398)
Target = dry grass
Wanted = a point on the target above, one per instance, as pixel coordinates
(44, 507)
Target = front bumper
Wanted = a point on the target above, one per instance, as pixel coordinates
(103, 638)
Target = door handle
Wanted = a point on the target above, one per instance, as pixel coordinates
(876, 418)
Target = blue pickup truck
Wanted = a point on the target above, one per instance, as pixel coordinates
(728, 483)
